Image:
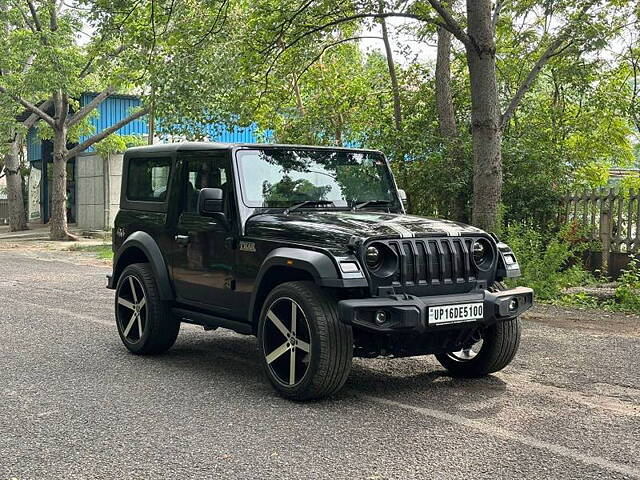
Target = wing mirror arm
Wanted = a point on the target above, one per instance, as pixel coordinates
(402, 195)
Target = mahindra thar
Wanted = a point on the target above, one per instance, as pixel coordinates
(309, 249)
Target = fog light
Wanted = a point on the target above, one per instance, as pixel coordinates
(513, 305)
(381, 317)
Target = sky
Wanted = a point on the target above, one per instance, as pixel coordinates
(421, 51)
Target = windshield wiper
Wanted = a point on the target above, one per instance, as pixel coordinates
(380, 203)
(311, 203)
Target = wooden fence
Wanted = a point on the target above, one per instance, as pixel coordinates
(610, 217)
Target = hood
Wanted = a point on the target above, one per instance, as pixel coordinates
(337, 227)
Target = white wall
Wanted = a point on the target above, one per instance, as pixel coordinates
(90, 190)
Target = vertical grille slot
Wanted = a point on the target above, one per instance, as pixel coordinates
(409, 257)
(434, 261)
(458, 261)
(420, 263)
(447, 264)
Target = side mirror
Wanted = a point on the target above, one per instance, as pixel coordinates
(210, 202)
(403, 195)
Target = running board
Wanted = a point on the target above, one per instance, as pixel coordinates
(211, 321)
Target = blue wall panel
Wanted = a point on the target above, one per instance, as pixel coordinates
(115, 108)
(111, 111)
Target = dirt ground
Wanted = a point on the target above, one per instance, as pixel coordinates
(49, 250)
(597, 321)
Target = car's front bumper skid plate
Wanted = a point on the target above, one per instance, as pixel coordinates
(409, 314)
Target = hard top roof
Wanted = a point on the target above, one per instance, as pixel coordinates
(200, 146)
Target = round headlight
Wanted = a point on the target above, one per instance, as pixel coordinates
(381, 260)
(372, 256)
(482, 254)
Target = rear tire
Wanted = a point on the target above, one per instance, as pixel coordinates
(496, 346)
(145, 323)
(305, 349)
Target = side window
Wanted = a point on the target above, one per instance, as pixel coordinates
(205, 171)
(148, 179)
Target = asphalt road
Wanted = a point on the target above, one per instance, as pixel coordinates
(75, 404)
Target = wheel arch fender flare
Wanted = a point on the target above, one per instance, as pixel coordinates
(143, 242)
(319, 266)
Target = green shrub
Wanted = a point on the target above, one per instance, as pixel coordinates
(628, 287)
(549, 263)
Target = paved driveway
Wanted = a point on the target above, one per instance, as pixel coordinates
(75, 404)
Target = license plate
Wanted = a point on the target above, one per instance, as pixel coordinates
(464, 312)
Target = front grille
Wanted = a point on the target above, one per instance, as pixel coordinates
(432, 264)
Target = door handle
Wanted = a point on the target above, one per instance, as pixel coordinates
(182, 239)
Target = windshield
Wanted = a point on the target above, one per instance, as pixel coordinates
(322, 178)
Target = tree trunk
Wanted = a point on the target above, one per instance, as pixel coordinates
(17, 215)
(395, 88)
(397, 110)
(447, 121)
(485, 116)
(58, 221)
(444, 99)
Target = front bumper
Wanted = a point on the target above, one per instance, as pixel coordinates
(409, 314)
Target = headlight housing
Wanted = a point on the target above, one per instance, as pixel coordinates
(483, 254)
(380, 260)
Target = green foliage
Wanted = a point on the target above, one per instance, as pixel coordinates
(264, 62)
(103, 252)
(119, 143)
(628, 287)
(549, 263)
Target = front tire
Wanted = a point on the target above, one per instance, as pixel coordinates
(305, 349)
(490, 349)
(145, 323)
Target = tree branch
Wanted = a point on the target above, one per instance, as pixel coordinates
(451, 23)
(24, 17)
(330, 45)
(496, 14)
(53, 13)
(89, 107)
(33, 118)
(554, 48)
(105, 133)
(64, 110)
(34, 15)
(356, 16)
(311, 31)
(525, 86)
(29, 106)
(87, 68)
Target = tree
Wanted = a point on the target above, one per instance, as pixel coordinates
(15, 132)
(476, 30)
(44, 62)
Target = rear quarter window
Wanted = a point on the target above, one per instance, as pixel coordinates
(148, 179)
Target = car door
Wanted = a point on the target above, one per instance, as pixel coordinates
(203, 259)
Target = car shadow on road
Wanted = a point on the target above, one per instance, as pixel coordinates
(235, 358)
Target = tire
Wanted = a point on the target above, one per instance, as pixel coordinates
(322, 347)
(499, 345)
(159, 327)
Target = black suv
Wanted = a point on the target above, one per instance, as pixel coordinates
(308, 248)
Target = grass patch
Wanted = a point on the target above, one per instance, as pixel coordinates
(102, 251)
